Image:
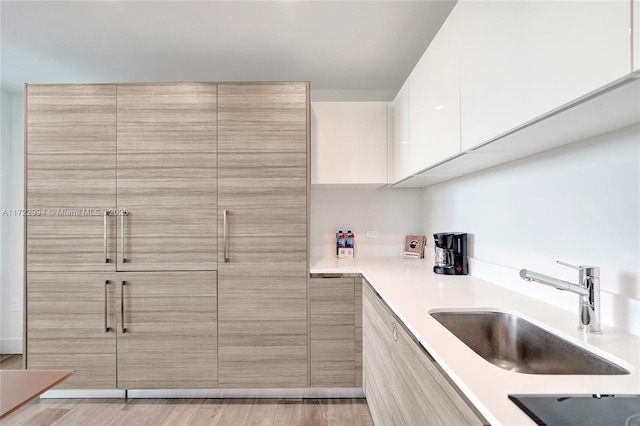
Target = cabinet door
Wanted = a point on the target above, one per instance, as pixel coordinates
(349, 142)
(522, 59)
(358, 331)
(401, 142)
(167, 177)
(263, 271)
(332, 331)
(167, 330)
(378, 371)
(635, 26)
(403, 384)
(434, 99)
(425, 394)
(70, 325)
(70, 134)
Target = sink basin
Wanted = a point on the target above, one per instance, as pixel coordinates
(515, 344)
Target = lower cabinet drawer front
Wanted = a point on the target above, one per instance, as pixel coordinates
(403, 385)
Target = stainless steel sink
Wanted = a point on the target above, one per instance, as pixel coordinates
(515, 344)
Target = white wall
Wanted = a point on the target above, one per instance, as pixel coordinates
(394, 213)
(579, 204)
(11, 227)
(5, 135)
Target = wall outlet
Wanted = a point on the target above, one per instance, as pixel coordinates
(15, 305)
(372, 234)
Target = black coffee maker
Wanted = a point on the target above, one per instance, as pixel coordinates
(451, 253)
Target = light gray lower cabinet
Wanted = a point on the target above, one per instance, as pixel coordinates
(131, 330)
(167, 330)
(403, 384)
(336, 332)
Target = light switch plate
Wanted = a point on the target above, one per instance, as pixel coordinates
(372, 234)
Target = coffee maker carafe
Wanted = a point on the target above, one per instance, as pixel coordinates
(450, 253)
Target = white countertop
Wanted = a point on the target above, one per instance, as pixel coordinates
(411, 289)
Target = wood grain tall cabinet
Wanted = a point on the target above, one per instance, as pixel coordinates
(70, 138)
(263, 143)
(121, 179)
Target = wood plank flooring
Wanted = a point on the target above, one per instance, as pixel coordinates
(212, 412)
(10, 362)
(187, 412)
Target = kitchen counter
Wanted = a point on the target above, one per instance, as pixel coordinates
(411, 290)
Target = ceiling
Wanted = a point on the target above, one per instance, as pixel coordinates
(339, 46)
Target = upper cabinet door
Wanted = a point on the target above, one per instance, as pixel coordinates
(434, 99)
(636, 34)
(263, 162)
(263, 271)
(522, 59)
(70, 136)
(401, 143)
(166, 177)
(349, 143)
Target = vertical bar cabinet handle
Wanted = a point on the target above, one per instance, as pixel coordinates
(124, 329)
(106, 312)
(122, 215)
(224, 235)
(106, 255)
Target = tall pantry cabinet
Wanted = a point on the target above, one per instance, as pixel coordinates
(122, 239)
(262, 268)
(70, 138)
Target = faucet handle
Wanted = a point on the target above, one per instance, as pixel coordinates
(559, 262)
(588, 270)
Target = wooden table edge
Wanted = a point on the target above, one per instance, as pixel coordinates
(37, 394)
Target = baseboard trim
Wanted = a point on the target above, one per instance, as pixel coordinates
(83, 393)
(10, 346)
(250, 393)
(208, 393)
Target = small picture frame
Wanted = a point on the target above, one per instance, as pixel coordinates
(414, 246)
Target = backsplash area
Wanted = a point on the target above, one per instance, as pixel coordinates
(579, 204)
(392, 212)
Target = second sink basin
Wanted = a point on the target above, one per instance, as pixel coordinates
(515, 344)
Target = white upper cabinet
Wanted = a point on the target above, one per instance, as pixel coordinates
(434, 99)
(522, 59)
(400, 117)
(349, 143)
(636, 34)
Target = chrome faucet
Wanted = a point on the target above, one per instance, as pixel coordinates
(588, 289)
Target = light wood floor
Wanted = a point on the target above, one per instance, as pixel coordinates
(10, 362)
(178, 412)
(213, 412)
